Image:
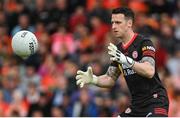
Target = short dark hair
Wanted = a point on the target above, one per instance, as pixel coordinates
(128, 13)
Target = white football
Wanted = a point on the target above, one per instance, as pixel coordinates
(24, 43)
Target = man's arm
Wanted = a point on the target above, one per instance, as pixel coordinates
(107, 80)
(146, 67)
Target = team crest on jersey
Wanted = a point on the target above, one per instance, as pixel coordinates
(135, 54)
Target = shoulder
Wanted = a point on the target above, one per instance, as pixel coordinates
(142, 38)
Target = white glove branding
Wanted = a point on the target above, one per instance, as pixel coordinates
(118, 56)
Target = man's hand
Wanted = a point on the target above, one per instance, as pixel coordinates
(118, 56)
(87, 77)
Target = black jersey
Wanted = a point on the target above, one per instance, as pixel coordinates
(143, 90)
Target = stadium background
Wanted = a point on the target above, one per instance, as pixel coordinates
(72, 35)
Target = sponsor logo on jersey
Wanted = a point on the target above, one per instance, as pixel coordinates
(127, 71)
(148, 48)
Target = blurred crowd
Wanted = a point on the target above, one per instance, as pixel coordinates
(72, 35)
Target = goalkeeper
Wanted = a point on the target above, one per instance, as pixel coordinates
(135, 56)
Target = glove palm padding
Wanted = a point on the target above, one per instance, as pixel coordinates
(85, 77)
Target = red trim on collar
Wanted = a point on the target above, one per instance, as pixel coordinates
(130, 42)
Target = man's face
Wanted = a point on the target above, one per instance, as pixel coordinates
(120, 25)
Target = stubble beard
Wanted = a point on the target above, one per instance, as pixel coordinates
(119, 38)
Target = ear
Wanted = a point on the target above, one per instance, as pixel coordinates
(129, 23)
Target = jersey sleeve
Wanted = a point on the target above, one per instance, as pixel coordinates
(148, 49)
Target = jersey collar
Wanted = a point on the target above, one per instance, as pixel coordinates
(130, 42)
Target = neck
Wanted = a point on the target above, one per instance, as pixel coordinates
(127, 37)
